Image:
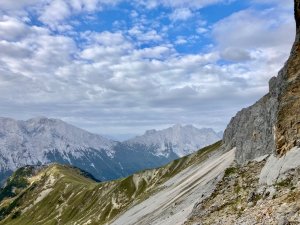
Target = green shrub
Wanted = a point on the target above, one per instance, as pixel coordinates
(229, 171)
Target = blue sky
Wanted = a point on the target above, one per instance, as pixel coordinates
(121, 67)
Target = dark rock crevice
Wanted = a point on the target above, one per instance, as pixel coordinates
(297, 13)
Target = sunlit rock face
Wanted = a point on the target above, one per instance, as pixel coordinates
(288, 117)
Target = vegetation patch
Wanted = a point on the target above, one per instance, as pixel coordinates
(16, 183)
(229, 171)
(284, 183)
(16, 214)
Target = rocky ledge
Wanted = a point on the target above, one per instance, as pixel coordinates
(243, 198)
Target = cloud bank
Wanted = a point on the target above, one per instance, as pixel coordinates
(162, 62)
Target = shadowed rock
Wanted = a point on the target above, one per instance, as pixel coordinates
(288, 117)
(297, 13)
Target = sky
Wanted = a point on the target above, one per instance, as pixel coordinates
(120, 67)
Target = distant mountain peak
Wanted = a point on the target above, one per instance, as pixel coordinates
(178, 139)
(177, 126)
(149, 132)
(29, 142)
(38, 119)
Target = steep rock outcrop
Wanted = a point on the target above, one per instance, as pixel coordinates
(271, 125)
(251, 130)
(288, 119)
(239, 199)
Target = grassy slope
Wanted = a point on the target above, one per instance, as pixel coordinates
(60, 195)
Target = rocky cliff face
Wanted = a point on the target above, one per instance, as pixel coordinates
(251, 130)
(288, 119)
(264, 190)
(271, 125)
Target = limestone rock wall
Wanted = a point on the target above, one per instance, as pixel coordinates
(288, 119)
(251, 131)
(273, 123)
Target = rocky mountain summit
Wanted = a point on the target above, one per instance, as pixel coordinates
(34, 138)
(42, 140)
(182, 140)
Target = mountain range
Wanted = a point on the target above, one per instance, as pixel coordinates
(41, 141)
(251, 177)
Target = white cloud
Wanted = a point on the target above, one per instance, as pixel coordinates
(38, 51)
(235, 54)
(195, 4)
(181, 14)
(134, 14)
(12, 29)
(104, 38)
(16, 5)
(181, 40)
(157, 52)
(260, 41)
(250, 29)
(202, 30)
(55, 12)
(120, 78)
(145, 34)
